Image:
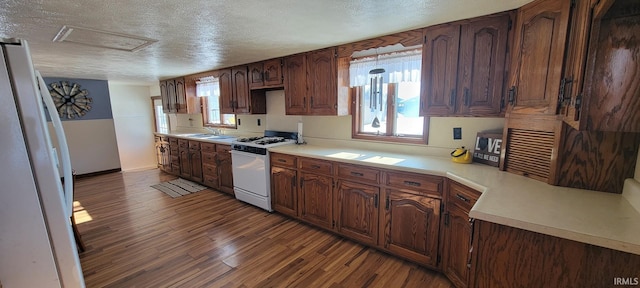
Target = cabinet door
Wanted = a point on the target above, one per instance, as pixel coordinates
(226, 92)
(256, 75)
(273, 72)
(165, 97)
(539, 46)
(440, 70)
(612, 96)
(225, 174)
(171, 95)
(283, 191)
(457, 242)
(322, 82)
(196, 166)
(241, 89)
(357, 206)
(483, 53)
(411, 225)
(295, 84)
(315, 197)
(181, 96)
(185, 163)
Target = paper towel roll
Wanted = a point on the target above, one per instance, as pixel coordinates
(300, 140)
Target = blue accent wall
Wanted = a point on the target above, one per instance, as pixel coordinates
(99, 94)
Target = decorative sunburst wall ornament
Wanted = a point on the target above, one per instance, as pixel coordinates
(70, 101)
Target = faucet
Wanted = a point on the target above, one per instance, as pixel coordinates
(214, 131)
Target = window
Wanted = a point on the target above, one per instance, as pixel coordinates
(387, 89)
(161, 119)
(209, 89)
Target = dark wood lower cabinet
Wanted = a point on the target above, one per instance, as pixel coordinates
(455, 249)
(224, 169)
(315, 199)
(284, 191)
(411, 226)
(357, 211)
(512, 257)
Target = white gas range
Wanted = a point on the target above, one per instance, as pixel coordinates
(250, 164)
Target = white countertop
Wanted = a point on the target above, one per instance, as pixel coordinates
(598, 218)
(186, 136)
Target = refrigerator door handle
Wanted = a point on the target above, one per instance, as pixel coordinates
(62, 144)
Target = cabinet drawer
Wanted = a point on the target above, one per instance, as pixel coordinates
(359, 173)
(207, 147)
(223, 148)
(317, 166)
(462, 196)
(173, 142)
(194, 145)
(283, 160)
(211, 181)
(416, 182)
(208, 158)
(183, 144)
(210, 170)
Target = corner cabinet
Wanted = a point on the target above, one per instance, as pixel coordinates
(310, 84)
(464, 67)
(458, 228)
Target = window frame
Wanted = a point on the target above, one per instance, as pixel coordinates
(355, 94)
(155, 115)
(205, 112)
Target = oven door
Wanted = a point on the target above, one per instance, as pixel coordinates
(250, 172)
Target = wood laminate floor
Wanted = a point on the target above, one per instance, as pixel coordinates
(137, 236)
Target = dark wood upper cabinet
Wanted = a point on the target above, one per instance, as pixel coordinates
(464, 67)
(311, 84)
(226, 92)
(266, 74)
(240, 83)
(322, 77)
(538, 53)
(481, 73)
(295, 84)
(607, 98)
(440, 70)
(235, 96)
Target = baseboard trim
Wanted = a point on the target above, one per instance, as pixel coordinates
(99, 173)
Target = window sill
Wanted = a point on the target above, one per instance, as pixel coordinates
(392, 139)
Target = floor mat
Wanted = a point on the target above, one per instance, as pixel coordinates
(179, 187)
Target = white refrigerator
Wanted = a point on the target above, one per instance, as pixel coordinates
(37, 248)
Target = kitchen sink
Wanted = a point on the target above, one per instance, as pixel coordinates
(206, 136)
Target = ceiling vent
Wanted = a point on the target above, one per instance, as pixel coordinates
(103, 39)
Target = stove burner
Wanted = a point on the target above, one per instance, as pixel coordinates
(269, 140)
(249, 139)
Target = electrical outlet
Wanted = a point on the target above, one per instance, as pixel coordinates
(457, 133)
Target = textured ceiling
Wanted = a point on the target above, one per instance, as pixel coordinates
(200, 35)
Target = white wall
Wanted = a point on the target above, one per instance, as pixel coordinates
(134, 126)
(92, 145)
